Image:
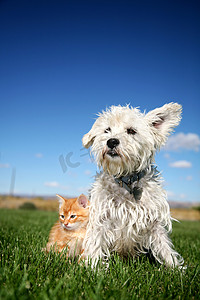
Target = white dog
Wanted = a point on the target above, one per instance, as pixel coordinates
(129, 212)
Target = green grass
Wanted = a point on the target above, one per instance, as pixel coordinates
(28, 273)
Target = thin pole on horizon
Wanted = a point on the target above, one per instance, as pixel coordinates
(12, 182)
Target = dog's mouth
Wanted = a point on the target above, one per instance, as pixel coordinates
(112, 153)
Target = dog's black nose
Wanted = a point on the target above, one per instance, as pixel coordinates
(112, 143)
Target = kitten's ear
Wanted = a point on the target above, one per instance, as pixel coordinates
(61, 200)
(83, 201)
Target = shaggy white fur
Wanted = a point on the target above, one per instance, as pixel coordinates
(124, 141)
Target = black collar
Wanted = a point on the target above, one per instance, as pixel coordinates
(127, 181)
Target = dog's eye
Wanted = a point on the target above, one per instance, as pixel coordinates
(131, 131)
(107, 130)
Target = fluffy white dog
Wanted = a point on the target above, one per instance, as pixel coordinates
(129, 212)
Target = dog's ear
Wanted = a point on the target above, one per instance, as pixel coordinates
(163, 120)
(88, 138)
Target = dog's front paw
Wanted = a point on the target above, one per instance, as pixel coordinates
(183, 268)
(105, 264)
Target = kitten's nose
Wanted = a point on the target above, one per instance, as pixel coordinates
(112, 143)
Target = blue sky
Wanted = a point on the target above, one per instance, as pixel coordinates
(61, 62)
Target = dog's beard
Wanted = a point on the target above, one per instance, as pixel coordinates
(115, 162)
(122, 160)
(120, 163)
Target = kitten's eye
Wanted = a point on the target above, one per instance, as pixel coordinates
(131, 131)
(72, 216)
(62, 217)
(107, 130)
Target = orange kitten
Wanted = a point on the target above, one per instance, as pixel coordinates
(69, 231)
